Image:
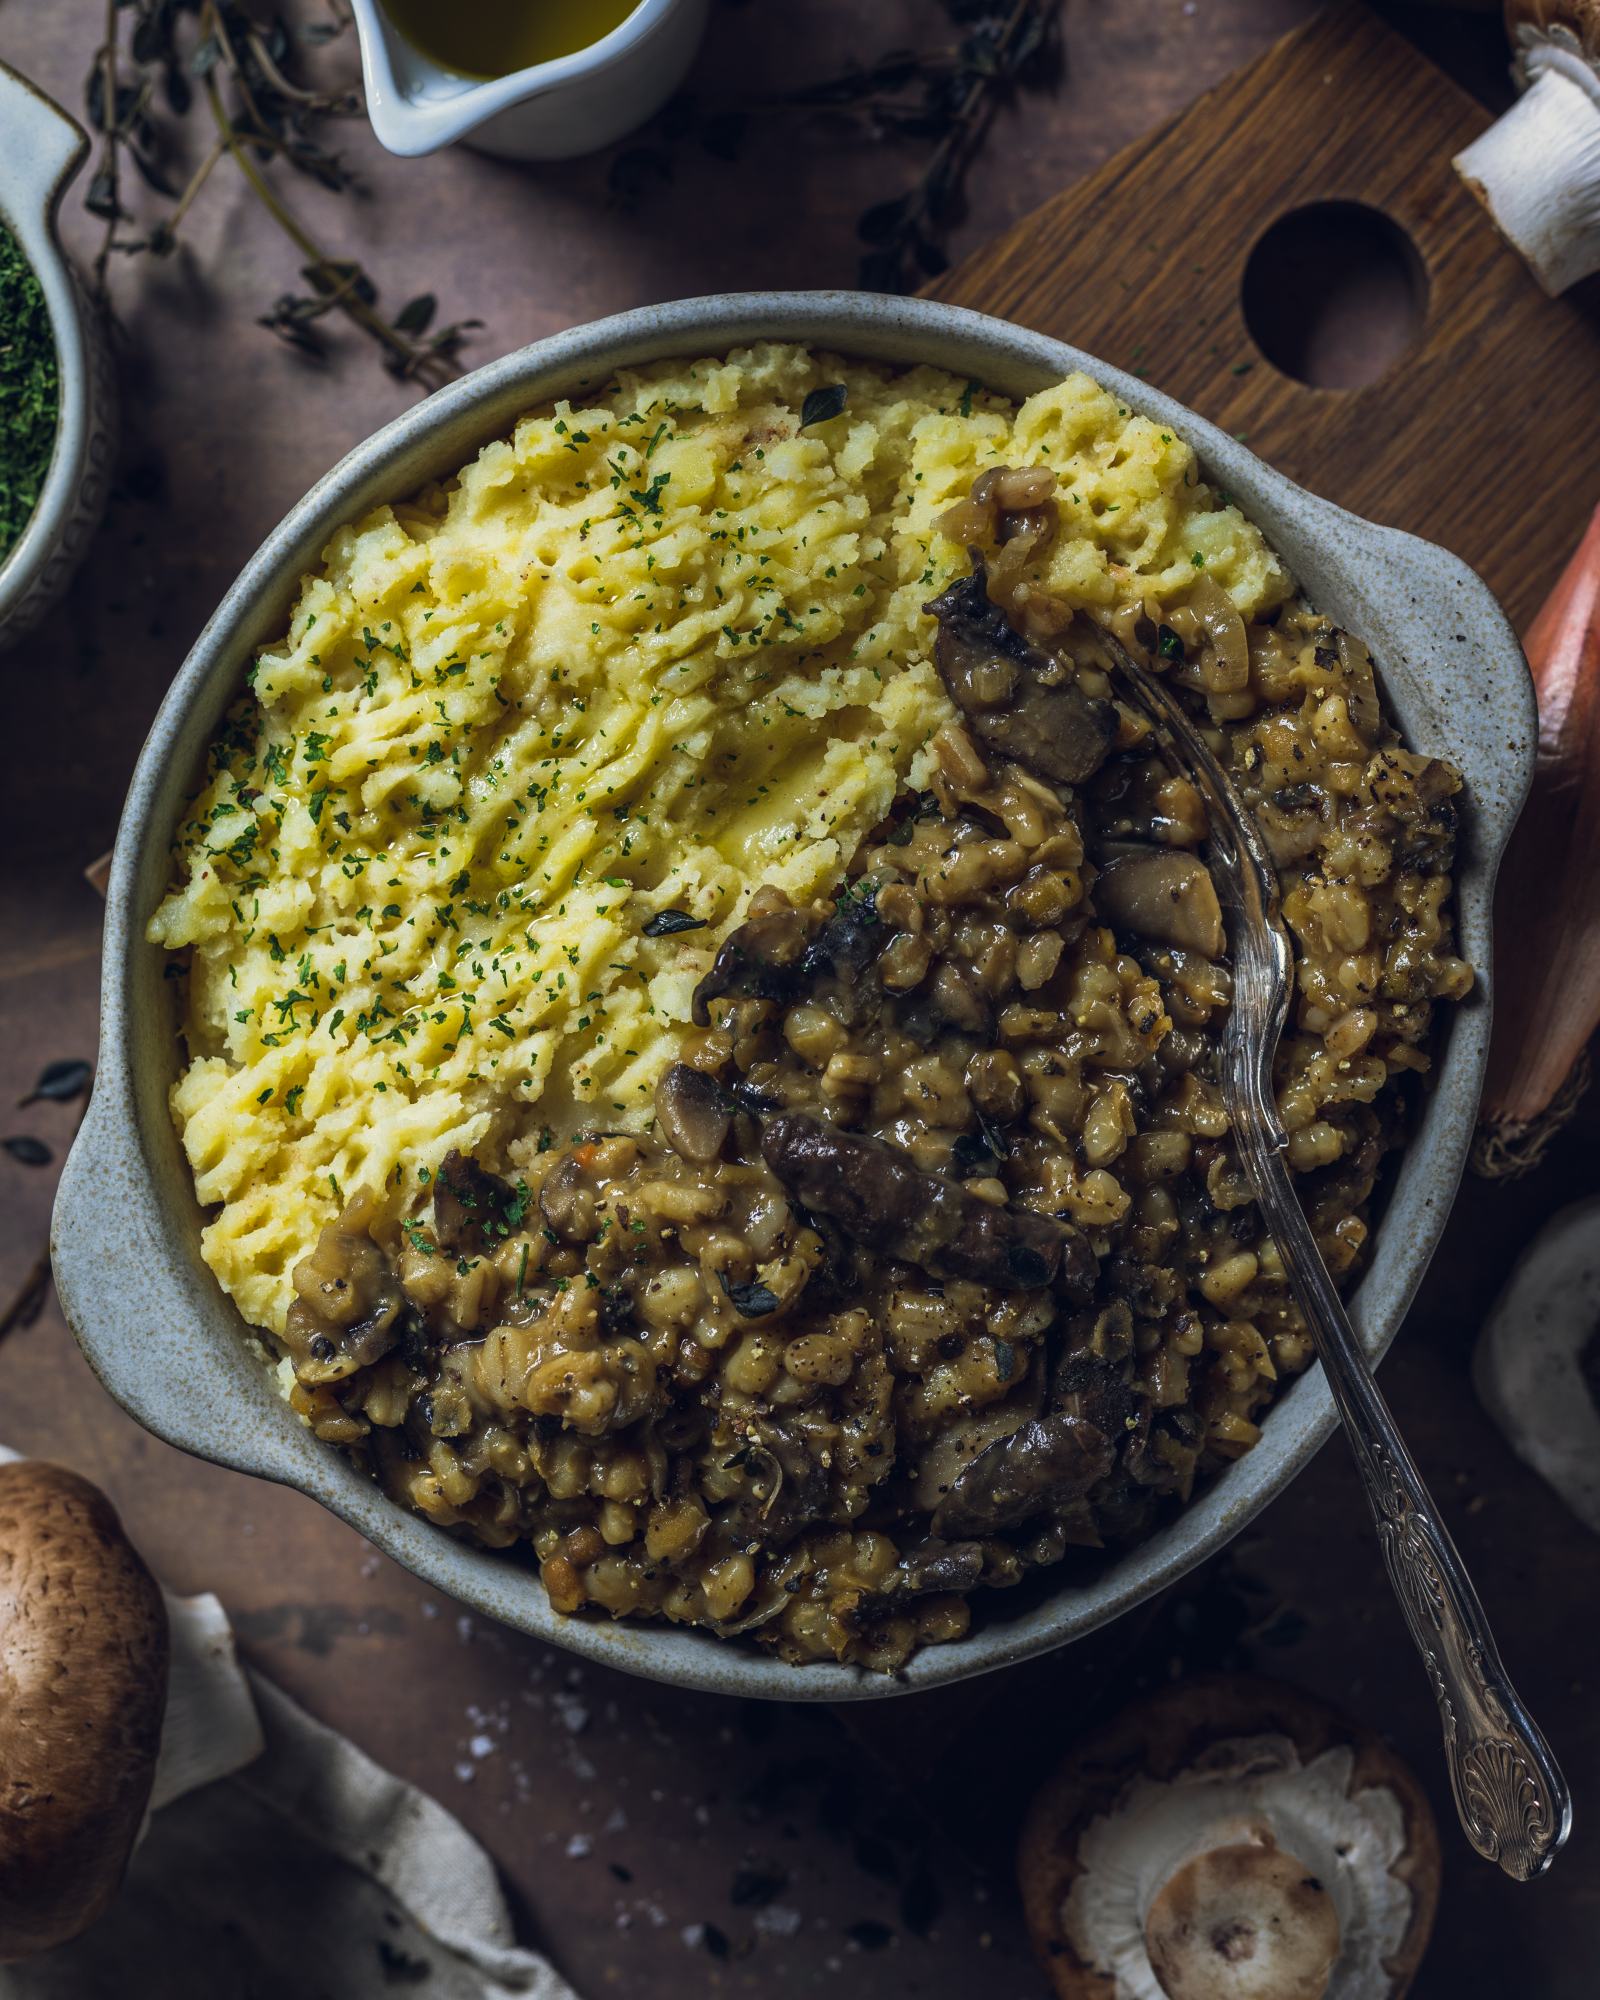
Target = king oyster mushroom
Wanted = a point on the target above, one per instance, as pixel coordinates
(1537, 1363)
(1537, 169)
(1230, 1839)
(114, 1700)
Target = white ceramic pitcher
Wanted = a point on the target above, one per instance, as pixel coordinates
(552, 111)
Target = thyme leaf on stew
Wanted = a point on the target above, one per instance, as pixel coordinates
(752, 1300)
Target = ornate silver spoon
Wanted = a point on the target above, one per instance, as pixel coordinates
(1509, 1791)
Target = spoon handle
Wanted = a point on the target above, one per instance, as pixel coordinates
(1509, 1790)
(1513, 1801)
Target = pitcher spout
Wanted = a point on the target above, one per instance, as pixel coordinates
(554, 110)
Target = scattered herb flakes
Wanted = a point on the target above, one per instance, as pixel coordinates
(60, 1082)
(668, 923)
(1168, 644)
(29, 391)
(821, 406)
(32, 1152)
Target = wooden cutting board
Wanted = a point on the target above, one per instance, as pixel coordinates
(1485, 436)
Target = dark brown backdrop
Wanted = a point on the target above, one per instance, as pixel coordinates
(661, 1843)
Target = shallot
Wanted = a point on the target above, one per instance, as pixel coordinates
(1547, 918)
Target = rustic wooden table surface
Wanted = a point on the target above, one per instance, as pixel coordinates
(655, 1842)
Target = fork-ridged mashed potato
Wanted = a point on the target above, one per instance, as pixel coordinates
(643, 656)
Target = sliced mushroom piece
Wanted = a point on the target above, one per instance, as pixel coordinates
(568, 1199)
(952, 998)
(347, 1312)
(934, 1565)
(789, 1490)
(1088, 1384)
(849, 940)
(1049, 1462)
(1217, 612)
(695, 1113)
(761, 960)
(879, 1198)
(1165, 895)
(968, 1435)
(1019, 700)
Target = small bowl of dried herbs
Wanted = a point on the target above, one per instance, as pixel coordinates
(57, 400)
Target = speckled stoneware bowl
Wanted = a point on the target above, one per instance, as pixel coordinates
(170, 1347)
(41, 149)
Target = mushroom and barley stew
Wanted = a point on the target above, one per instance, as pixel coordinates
(936, 1264)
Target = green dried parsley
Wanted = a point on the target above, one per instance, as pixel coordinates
(30, 392)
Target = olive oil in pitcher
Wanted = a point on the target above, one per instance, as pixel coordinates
(489, 38)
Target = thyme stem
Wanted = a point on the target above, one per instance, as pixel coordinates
(197, 180)
(108, 144)
(261, 114)
(342, 296)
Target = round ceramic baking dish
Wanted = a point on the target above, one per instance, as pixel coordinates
(171, 1348)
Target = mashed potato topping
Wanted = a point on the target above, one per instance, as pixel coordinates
(525, 730)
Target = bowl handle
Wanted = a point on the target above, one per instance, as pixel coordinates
(41, 148)
(133, 1309)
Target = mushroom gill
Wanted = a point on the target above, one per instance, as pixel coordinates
(1230, 1839)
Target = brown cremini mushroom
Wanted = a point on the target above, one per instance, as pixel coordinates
(83, 1687)
(1230, 1839)
(1163, 894)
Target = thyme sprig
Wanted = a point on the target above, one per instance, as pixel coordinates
(950, 96)
(162, 63)
(947, 93)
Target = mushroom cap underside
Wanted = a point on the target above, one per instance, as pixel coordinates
(1169, 1733)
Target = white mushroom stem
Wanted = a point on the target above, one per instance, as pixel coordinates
(1537, 169)
(1249, 1876)
(1243, 1922)
(211, 1727)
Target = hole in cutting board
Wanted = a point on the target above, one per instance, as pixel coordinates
(1334, 294)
